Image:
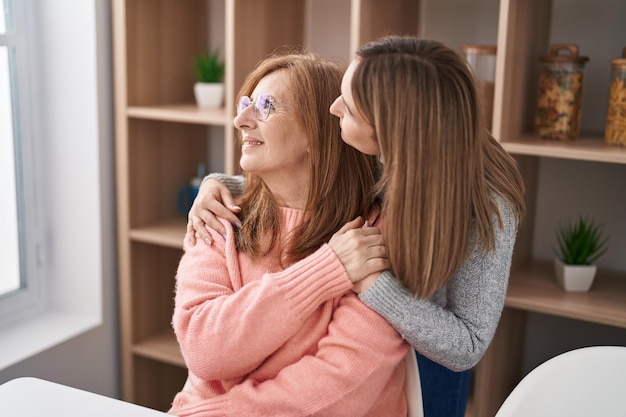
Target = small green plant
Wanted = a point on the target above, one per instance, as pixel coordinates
(580, 242)
(209, 67)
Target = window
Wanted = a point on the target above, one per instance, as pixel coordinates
(19, 278)
(9, 245)
(58, 141)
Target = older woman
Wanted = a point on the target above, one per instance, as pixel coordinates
(265, 318)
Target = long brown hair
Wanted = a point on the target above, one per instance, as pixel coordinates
(341, 178)
(441, 166)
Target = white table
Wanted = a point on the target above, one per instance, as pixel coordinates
(32, 397)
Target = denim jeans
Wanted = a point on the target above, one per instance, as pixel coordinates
(444, 392)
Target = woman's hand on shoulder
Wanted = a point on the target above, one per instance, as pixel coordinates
(361, 250)
(213, 199)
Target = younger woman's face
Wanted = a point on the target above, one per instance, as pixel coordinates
(355, 129)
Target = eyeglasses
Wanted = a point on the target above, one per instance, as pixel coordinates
(263, 105)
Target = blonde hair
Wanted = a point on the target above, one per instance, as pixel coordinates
(441, 166)
(341, 178)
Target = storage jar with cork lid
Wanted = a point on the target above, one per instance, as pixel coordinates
(560, 93)
(615, 128)
(482, 59)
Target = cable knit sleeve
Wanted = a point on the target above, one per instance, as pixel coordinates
(226, 329)
(349, 373)
(236, 184)
(457, 330)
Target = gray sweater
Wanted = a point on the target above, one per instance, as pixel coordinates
(456, 325)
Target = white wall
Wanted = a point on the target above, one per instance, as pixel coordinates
(78, 110)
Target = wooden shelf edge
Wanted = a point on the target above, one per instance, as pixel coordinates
(162, 347)
(586, 148)
(534, 289)
(169, 233)
(183, 113)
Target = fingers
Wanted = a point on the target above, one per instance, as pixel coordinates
(369, 231)
(228, 200)
(378, 251)
(375, 256)
(195, 226)
(214, 199)
(190, 234)
(227, 207)
(215, 208)
(361, 258)
(354, 224)
(377, 265)
(210, 221)
(358, 227)
(365, 238)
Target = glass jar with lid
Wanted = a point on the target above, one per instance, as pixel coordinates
(482, 59)
(615, 128)
(560, 93)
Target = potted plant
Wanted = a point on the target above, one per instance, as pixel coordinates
(209, 73)
(580, 244)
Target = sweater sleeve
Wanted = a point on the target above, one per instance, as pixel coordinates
(457, 333)
(349, 372)
(236, 184)
(226, 330)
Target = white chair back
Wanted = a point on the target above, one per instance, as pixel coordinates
(413, 386)
(584, 382)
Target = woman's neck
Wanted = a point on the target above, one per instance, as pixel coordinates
(288, 191)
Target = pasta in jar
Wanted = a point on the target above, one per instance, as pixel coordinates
(615, 128)
(560, 94)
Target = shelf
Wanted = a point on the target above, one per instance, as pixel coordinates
(162, 347)
(183, 113)
(586, 148)
(535, 289)
(169, 233)
(161, 136)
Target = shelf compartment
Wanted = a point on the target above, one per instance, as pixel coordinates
(162, 38)
(153, 283)
(165, 158)
(534, 289)
(162, 347)
(257, 29)
(516, 70)
(586, 148)
(376, 18)
(158, 382)
(182, 113)
(168, 233)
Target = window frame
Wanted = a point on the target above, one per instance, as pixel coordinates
(70, 113)
(28, 300)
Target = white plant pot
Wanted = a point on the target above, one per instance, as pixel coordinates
(574, 278)
(209, 94)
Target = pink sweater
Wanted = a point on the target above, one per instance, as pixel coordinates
(262, 341)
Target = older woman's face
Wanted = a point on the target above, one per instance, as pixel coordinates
(278, 144)
(355, 130)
